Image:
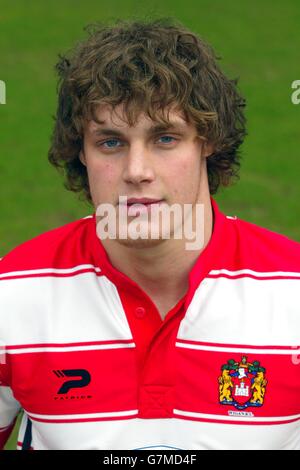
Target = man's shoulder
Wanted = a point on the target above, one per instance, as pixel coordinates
(260, 235)
(266, 248)
(59, 247)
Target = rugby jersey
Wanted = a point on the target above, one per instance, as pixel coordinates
(94, 366)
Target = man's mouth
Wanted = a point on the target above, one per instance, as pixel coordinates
(138, 206)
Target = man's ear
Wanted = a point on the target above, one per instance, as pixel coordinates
(82, 157)
(207, 149)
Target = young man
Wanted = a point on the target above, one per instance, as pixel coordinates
(139, 341)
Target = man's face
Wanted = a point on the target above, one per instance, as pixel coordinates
(166, 165)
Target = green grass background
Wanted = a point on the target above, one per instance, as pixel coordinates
(258, 42)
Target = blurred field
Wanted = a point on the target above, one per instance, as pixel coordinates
(259, 43)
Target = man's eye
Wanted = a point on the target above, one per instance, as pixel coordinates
(167, 139)
(110, 144)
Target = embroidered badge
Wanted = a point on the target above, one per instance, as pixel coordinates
(242, 384)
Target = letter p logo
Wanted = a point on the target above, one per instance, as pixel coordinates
(83, 381)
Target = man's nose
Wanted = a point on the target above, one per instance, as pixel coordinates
(138, 165)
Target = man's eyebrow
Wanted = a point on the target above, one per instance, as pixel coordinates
(155, 129)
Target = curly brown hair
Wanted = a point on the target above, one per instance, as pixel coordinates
(148, 66)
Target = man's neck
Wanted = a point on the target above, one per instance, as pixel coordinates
(162, 270)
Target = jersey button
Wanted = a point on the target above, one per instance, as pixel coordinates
(140, 312)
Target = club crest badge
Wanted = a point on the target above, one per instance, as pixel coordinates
(242, 384)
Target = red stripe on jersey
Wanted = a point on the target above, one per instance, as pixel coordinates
(114, 386)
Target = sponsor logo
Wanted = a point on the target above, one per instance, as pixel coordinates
(79, 378)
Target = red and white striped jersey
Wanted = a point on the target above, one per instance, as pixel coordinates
(93, 365)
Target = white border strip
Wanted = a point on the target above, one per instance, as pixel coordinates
(83, 416)
(215, 272)
(236, 418)
(70, 348)
(51, 271)
(239, 349)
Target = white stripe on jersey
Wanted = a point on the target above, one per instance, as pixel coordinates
(79, 308)
(178, 433)
(70, 349)
(114, 414)
(216, 272)
(75, 310)
(233, 418)
(234, 349)
(33, 272)
(252, 309)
